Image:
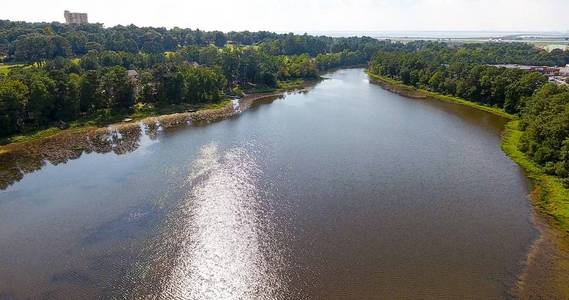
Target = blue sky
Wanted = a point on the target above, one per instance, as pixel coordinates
(309, 15)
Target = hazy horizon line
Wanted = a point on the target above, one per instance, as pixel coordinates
(319, 31)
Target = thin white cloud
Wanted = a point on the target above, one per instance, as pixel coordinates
(309, 15)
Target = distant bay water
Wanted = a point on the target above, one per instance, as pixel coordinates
(440, 34)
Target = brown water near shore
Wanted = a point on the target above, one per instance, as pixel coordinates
(546, 271)
(345, 192)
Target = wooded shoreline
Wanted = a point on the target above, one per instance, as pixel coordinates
(60, 146)
(207, 111)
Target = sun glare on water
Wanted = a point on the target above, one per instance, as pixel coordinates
(221, 254)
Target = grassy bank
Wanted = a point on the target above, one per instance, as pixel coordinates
(550, 196)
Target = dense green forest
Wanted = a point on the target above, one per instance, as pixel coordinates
(56, 73)
(505, 88)
(464, 72)
(29, 42)
(545, 121)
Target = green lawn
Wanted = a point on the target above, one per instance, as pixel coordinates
(5, 68)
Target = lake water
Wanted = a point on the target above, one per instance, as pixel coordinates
(346, 191)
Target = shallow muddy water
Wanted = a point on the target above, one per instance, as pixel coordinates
(347, 191)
